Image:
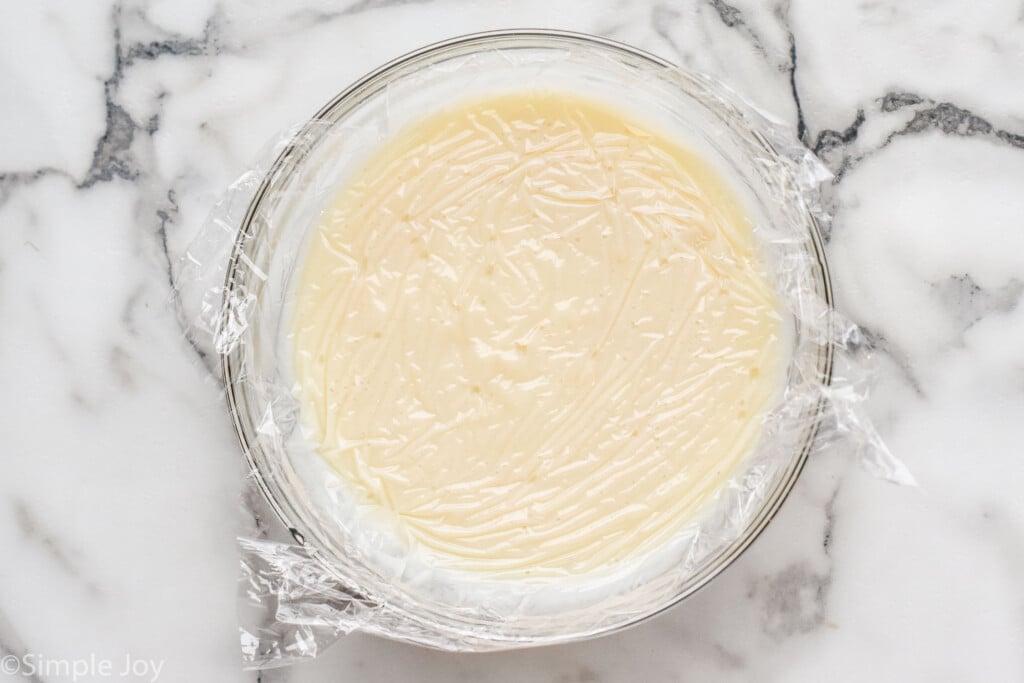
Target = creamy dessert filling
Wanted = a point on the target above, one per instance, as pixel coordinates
(535, 334)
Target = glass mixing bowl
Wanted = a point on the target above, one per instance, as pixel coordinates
(270, 244)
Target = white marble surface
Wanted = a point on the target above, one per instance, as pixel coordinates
(122, 123)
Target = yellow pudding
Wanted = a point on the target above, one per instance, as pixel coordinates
(535, 334)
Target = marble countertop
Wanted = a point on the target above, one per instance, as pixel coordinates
(123, 123)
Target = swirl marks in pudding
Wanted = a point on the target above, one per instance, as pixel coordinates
(536, 334)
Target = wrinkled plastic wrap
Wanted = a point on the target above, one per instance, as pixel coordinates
(313, 569)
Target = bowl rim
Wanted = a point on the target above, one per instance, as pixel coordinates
(232, 362)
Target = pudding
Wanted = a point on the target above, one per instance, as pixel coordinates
(534, 334)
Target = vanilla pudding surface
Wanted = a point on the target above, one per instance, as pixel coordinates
(535, 334)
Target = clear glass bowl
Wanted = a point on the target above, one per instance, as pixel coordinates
(270, 244)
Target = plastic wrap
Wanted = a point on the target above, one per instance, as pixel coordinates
(315, 565)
